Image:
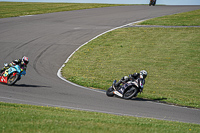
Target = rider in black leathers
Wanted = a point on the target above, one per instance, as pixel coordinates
(132, 77)
(152, 2)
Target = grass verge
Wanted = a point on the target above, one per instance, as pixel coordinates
(172, 63)
(26, 118)
(14, 9)
(181, 19)
(170, 55)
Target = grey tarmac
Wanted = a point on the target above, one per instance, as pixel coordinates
(49, 39)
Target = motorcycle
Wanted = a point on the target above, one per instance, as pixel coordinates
(12, 75)
(152, 2)
(129, 89)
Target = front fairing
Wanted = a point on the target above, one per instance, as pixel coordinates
(139, 83)
(127, 85)
(15, 68)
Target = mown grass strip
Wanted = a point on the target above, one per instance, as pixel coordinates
(14, 9)
(26, 118)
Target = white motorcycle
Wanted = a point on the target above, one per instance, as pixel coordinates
(128, 90)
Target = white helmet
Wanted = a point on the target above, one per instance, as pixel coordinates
(126, 78)
(143, 73)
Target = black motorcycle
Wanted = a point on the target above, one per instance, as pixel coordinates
(152, 2)
(130, 89)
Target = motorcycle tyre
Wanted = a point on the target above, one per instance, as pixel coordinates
(134, 94)
(109, 92)
(14, 81)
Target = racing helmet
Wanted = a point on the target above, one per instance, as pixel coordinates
(125, 78)
(25, 60)
(144, 73)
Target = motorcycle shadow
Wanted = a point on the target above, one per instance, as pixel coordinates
(27, 85)
(152, 100)
(144, 99)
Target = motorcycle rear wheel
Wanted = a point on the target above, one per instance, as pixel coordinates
(132, 92)
(12, 79)
(109, 92)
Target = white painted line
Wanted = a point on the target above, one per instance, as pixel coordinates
(68, 107)
(27, 16)
(90, 110)
(102, 91)
(59, 71)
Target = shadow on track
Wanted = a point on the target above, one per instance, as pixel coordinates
(26, 85)
(142, 99)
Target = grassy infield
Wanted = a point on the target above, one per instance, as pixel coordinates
(170, 55)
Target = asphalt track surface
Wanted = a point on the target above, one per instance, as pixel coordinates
(49, 39)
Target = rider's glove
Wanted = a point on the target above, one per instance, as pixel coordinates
(15, 61)
(5, 64)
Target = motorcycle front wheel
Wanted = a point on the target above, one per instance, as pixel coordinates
(109, 92)
(12, 79)
(132, 92)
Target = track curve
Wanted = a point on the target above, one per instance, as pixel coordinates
(48, 39)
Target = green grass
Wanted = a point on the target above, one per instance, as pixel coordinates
(171, 59)
(18, 118)
(170, 55)
(191, 18)
(14, 9)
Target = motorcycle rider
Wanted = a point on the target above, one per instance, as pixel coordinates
(125, 79)
(151, 2)
(21, 62)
